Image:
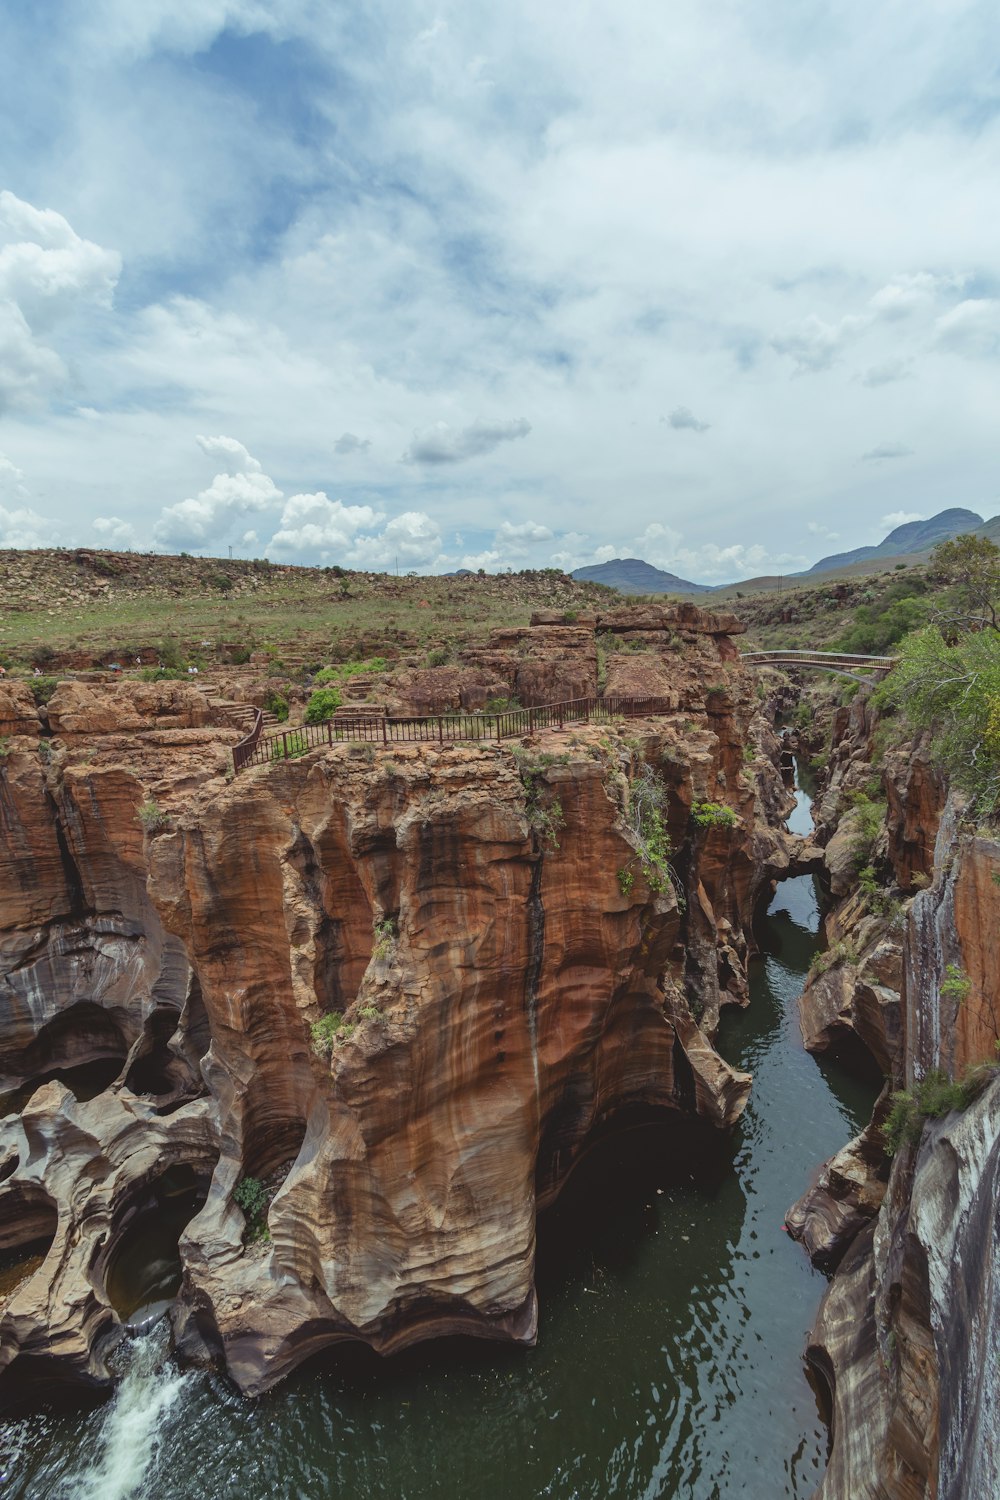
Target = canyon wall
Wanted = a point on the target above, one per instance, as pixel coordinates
(398, 987)
(905, 1341)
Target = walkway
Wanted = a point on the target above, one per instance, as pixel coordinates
(256, 750)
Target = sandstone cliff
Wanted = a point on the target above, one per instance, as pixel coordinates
(399, 987)
(905, 1339)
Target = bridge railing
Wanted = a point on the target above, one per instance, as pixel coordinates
(287, 744)
(822, 658)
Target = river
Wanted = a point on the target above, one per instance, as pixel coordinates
(673, 1316)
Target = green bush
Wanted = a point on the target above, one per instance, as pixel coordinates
(252, 1197)
(712, 815)
(953, 691)
(276, 703)
(42, 688)
(439, 657)
(934, 1096)
(384, 929)
(152, 817)
(646, 818)
(956, 984)
(328, 1030)
(323, 705)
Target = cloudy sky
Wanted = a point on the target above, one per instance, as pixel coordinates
(442, 284)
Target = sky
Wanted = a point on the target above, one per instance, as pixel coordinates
(436, 285)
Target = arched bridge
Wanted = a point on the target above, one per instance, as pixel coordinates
(843, 664)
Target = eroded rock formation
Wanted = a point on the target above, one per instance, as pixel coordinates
(906, 1336)
(510, 964)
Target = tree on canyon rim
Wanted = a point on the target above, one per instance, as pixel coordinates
(948, 677)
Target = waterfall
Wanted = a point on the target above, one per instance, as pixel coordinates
(134, 1422)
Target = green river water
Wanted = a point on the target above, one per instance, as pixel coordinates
(673, 1315)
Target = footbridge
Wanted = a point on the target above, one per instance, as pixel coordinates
(841, 663)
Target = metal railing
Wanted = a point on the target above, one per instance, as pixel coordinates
(441, 729)
(839, 663)
(850, 659)
(244, 750)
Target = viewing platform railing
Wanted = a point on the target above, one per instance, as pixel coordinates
(440, 729)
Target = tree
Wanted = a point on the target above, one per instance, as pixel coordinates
(971, 564)
(953, 691)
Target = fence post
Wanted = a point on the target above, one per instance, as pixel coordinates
(560, 716)
(531, 721)
(385, 731)
(440, 730)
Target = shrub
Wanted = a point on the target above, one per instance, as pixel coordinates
(954, 692)
(152, 817)
(370, 1013)
(934, 1096)
(276, 703)
(544, 814)
(439, 657)
(646, 819)
(323, 705)
(327, 1030)
(385, 932)
(42, 688)
(956, 984)
(826, 958)
(712, 815)
(252, 1197)
(626, 880)
(170, 652)
(868, 815)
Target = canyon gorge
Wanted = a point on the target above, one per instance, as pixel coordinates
(303, 1059)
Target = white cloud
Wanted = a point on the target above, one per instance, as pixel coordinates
(816, 528)
(683, 418)
(316, 528)
(411, 540)
(971, 329)
(442, 444)
(20, 526)
(113, 531)
(241, 490)
(909, 293)
(886, 450)
(47, 275)
(898, 518)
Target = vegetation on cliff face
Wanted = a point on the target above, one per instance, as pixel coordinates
(947, 681)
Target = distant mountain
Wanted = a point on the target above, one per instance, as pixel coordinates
(630, 575)
(915, 536)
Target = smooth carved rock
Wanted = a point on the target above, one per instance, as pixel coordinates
(506, 997)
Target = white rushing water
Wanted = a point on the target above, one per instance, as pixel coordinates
(134, 1424)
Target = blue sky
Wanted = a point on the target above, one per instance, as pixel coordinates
(466, 285)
